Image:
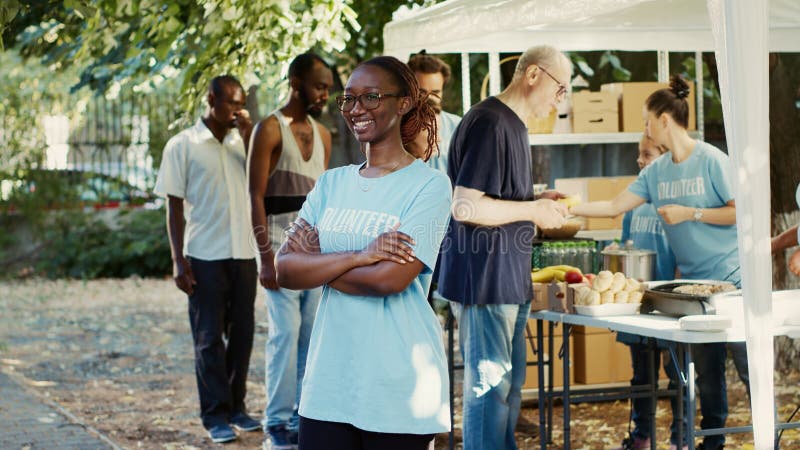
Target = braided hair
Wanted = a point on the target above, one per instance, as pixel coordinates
(421, 116)
(671, 100)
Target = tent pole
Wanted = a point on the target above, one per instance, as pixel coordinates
(663, 66)
(466, 95)
(494, 73)
(699, 108)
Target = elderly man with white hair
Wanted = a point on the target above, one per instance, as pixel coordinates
(485, 266)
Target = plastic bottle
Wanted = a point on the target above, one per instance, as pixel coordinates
(545, 256)
(558, 253)
(591, 256)
(572, 254)
(588, 257)
(580, 255)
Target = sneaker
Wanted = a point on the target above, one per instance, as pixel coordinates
(634, 443)
(280, 438)
(243, 422)
(221, 433)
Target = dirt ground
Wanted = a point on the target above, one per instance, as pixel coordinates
(118, 355)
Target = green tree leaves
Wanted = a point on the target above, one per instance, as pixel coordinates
(116, 43)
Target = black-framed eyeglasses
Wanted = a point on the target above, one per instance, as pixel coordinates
(562, 89)
(369, 100)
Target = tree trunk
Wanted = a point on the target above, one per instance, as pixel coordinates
(784, 152)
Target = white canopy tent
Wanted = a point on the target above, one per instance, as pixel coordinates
(741, 32)
(483, 26)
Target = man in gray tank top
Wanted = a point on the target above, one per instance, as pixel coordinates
(289, 150)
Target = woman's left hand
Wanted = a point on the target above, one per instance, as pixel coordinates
(302, 237)
(675, 214)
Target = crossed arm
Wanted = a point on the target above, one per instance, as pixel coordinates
(385, 267)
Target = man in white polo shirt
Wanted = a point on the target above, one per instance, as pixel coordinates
(202, 175)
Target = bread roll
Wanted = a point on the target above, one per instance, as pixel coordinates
(635, 297)
(632, 285)
(606, 297)
(621, 297)
(592, 298)
(601, 284)
(618, 282)
(580, 294)
(604, 274)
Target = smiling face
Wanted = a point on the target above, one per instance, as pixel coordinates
(373, 125)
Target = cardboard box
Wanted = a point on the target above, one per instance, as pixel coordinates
(539, 301)
(595, 122)
(560, 299)
(596, 189)
(532, 374)
(586, 101)
(599, 358)
(632, 96)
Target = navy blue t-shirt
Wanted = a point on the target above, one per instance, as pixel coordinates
(480, 265)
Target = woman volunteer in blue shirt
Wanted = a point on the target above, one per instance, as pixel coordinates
(690, 187)
(376, 375)
(643, 227)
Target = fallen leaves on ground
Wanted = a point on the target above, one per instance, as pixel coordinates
(118, 355)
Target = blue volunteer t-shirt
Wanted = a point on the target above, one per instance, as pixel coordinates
(447, 125)
(703, 180)
(490, 152)
(643, 227)
(378, 363)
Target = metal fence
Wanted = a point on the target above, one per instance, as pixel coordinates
(122, 138)
(107, 150)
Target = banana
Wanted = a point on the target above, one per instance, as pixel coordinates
(566, 268)
(571, 201)
(545, 275)
(550, 273)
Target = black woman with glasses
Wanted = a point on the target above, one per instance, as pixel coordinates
(376, 374)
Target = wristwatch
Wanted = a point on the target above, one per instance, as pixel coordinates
(698, 214)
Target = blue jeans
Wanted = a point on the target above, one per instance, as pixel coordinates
(291, 318)
(492, 341)
(643, 407)
(712, 389)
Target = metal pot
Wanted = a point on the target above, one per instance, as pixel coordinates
(634, 263)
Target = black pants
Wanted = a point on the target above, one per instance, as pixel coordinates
(221, 316)
(322, 435)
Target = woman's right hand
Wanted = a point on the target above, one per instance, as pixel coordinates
(392, 245)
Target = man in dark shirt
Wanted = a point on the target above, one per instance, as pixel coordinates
(485, 268)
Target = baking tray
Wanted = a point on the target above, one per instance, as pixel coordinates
(666, 291)
(658, 297)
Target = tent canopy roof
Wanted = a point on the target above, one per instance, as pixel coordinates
(478, 26)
